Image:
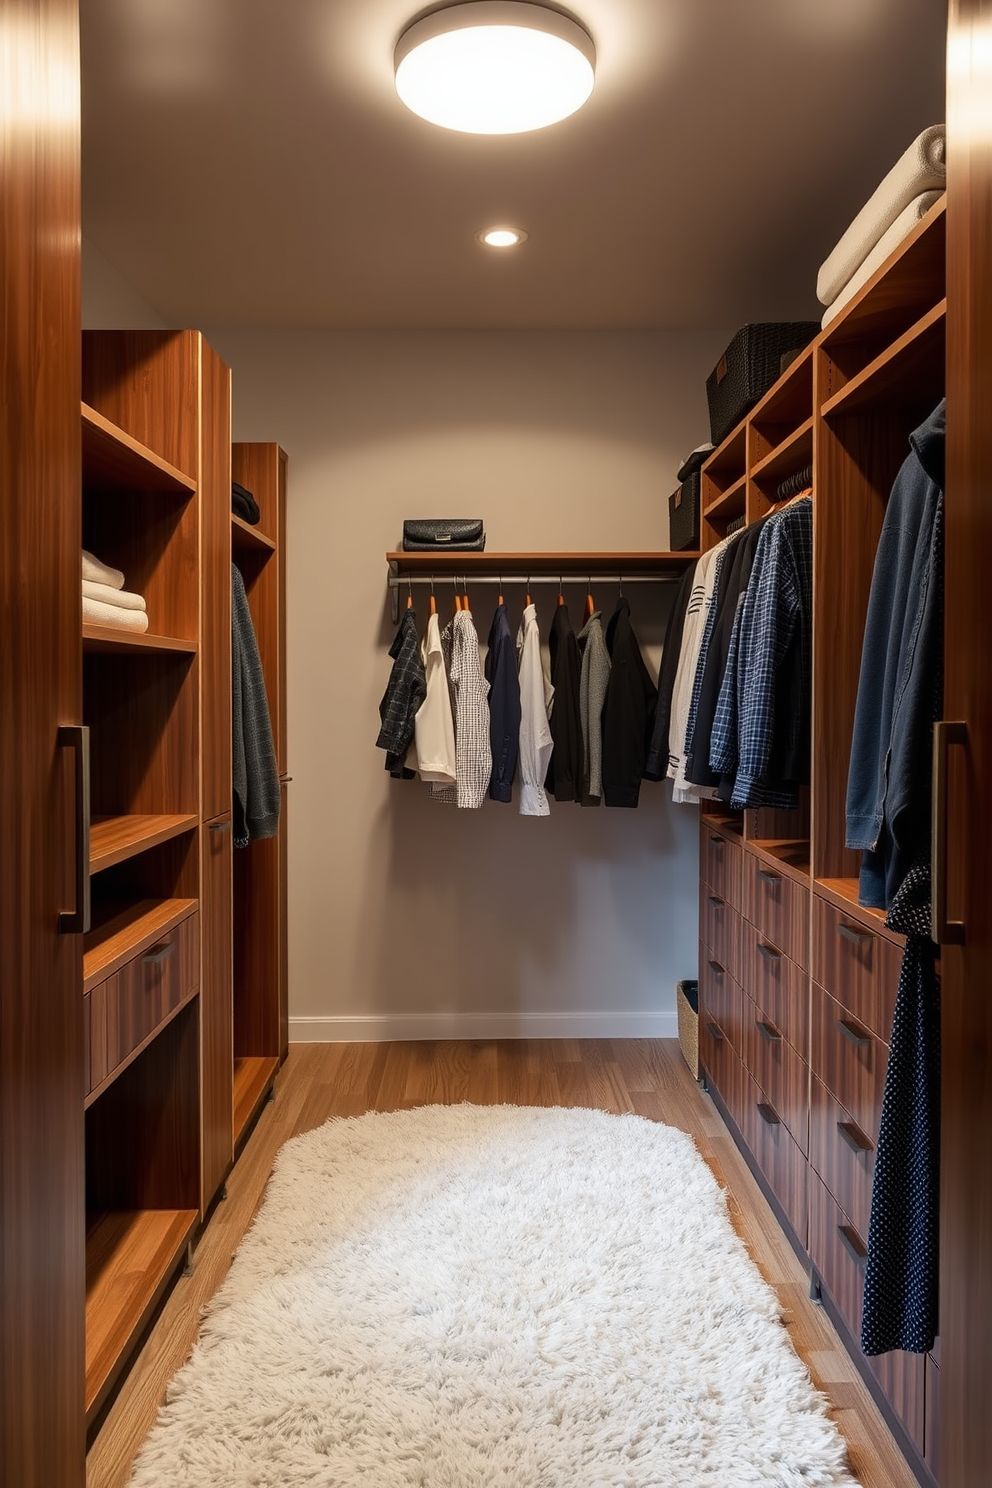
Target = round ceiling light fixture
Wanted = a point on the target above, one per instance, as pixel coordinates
(494, 67)
(502, 237)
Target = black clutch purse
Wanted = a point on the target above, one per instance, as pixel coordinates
(444, 535)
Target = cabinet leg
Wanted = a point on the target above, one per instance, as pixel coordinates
(190, 1265)
(815, 1293)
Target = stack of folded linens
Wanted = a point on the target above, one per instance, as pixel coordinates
(106, 601)
(912, 186)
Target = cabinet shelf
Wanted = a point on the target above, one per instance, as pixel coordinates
(521, 565)
(908, 372)
(130, 1257)
(244, 535)
(791, 455)
(106, 638)
(113, 839)
(125, 930)
(114, 461)
(253, 1074)
(730, 503)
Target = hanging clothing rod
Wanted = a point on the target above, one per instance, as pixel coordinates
(403, 581)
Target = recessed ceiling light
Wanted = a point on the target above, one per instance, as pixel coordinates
(502, 237)
(494, 67)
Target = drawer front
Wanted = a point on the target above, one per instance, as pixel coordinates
(777, 1155)
(720, 864)
(843, 1155)
(724, 1071)
(849, 1059)
(838, 1252)
(719, 928)
(777, 984)
(856, 966)
(130, 1005)
(780, 1072)
(720, 998)
(778, 908)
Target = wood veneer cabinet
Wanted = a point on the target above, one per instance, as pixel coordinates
(799, 1069)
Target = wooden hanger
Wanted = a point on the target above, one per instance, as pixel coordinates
(499, 596)
(432, 602)
(561, 597)
(465, 603)
(458, 598)
(527, 595)
(590, 602)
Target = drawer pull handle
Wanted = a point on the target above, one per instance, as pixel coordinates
(717, 969)
(768, 1031)
(854, 1136)
(715, 901)
(852, 1243)
(715, 1033)
(768, 1114)
(222, 826)
(159, 954)
(716, 841)
(854, 1032)
(769, 952)
(769, 878)
(856, 937)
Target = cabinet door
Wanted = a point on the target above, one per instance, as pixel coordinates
(42, 1240)
(966, 1119)
(216, 1005)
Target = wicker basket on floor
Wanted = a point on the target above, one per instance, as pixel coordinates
(687, 1003)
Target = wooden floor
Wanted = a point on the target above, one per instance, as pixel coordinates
(647, 1076)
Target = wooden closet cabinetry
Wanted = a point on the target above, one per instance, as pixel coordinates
(797, 981)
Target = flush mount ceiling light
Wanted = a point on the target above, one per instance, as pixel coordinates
(494, 67)
(502, 237)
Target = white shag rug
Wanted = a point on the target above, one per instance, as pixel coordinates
(493, 1297)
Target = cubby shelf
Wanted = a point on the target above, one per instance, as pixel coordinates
(114, 461)
(729, 503)
(125, 930)
(244, 535)
(791, 455)
(130, 1257)
(106, 638)
(113, 839)
(911, 368)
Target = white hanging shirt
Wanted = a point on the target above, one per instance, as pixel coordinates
(536, 696)
(434, 723)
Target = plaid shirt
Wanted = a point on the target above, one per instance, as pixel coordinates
(405, 691)
(761, 733)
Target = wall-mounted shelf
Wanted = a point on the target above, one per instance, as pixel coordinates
(422, 568)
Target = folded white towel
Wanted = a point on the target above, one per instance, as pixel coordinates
(106, 595)
(101, 573)
(95, 613)
(922, 168)
(887, 243)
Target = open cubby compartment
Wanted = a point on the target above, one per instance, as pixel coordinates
(142, 1196)
(793, 455)
(151, 536)
(260, 468)
(147, 383)
(135, 899)
(858, 457)
(723, 487)
(784, 408)
(143, 716)
(782, 835)
(906, 376)
(906, 287)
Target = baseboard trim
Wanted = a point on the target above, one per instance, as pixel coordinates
(415, 1027)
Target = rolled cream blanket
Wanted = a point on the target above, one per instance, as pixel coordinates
(95, 613)
(121, 597)
(101, 573)
(922, 168)
(888, 243)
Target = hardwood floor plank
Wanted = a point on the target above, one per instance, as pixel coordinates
(644, 1075)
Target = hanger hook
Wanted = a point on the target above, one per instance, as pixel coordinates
(432, 583)
(620, 583)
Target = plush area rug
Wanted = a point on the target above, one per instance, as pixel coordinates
(493, 1297)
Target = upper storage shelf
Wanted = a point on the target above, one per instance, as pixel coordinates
(114, 461)
(577, 565)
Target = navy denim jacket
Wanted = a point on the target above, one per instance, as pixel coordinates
(888, 788)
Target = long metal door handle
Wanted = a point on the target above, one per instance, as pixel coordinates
(76, 736)
(943, 930)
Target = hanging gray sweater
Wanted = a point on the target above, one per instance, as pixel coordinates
(255, 777)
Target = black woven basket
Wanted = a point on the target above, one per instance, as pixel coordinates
(748, 367)
(683, 515)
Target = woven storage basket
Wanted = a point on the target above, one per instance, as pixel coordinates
(683, 515)
(687, 1002)
(748, 367)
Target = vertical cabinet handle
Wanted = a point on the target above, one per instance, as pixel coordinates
(76, 736)
(943, 930)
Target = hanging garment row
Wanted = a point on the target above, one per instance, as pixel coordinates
(733, 715)
(574, 723)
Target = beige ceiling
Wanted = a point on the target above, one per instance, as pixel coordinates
(247, 162)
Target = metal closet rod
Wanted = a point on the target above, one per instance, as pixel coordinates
(401, 581)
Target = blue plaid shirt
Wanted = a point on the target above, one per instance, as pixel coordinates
(756, 740)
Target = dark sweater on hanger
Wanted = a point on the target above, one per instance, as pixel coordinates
(405, 691)
(255, 777)
(504, 705)
(656, 767)
(564, 779)
(627, 713)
